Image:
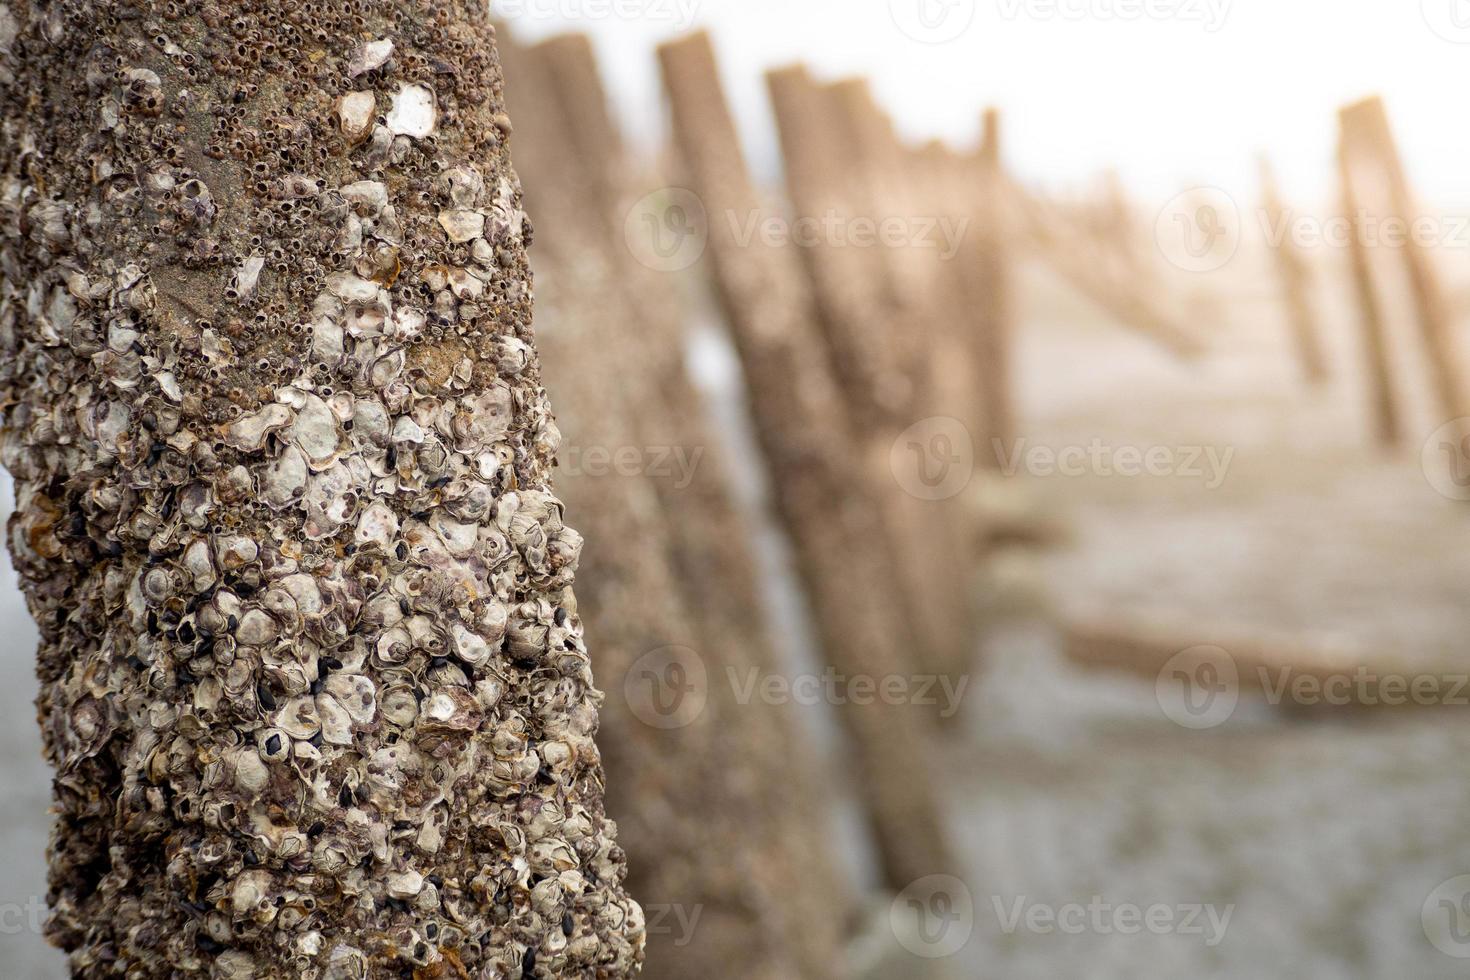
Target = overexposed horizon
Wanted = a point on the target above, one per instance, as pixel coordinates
(1169, 93)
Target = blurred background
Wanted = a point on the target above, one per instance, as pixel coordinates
(1022, 449)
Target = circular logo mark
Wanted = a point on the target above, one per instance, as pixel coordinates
(1446, 460)
(1450, 19)
(933, 459)
(934, 917)
(667, 688)
(1199, 688)
(933, 21)
(1446, 917)
(1199, 230)
(667, 230)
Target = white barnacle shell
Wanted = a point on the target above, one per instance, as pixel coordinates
(235, 550)
(465, 185)
(371, 196)
(413, 113)
(284, 480)
(352, 289)
(336, 722)
(252, 889)
(249, 431)
(408, 323)
(251, 773)
(462, 224)
(469, 646)
(247, 277)
(299, 718)
(314, 429)
(464, 285)
(355, 112)
(257, 628)
(371, 55)
(198, 564)
(377, 525)
(405, 884)
(356, 695)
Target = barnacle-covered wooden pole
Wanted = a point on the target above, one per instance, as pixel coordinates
(313, 679)
(822, 491)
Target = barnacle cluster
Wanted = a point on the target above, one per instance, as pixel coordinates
(313, 678)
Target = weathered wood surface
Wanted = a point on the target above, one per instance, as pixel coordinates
(770, 769)
(823, 495)
(1296, 284)
(1383, 401)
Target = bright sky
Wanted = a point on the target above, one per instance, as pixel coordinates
(1170, 92)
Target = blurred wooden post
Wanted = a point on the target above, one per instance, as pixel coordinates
(813, 459)
(1366, 125)
(1295, 282)
(710, 541)
(1383, 401)
(873, 342)
(992, 301)
(686, 821)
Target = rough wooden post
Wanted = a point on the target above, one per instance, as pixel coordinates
(941, 547)
(1296, 283)
(1366, 126)
(823, 497)
(1383, 400)
(312, 676)
(876, 345)
(989, 273)
(765, 783)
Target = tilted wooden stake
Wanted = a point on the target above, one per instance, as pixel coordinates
(1367, 131)
(822, 494)
(312, 676)
(1296, 283)
(988, 270)
(874, 343)
(1383, 400)
(756, 825)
